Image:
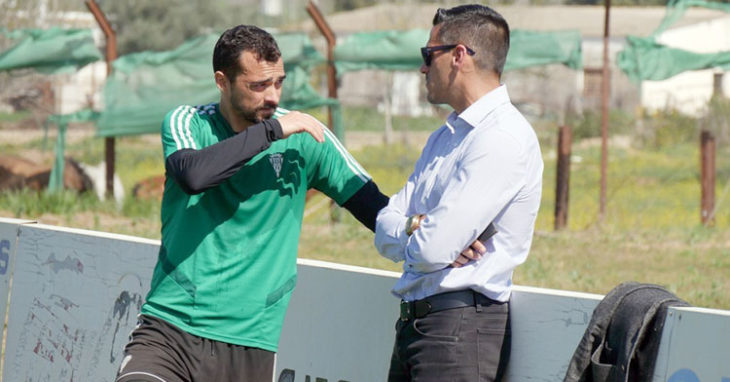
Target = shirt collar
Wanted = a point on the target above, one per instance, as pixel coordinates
(479, 110)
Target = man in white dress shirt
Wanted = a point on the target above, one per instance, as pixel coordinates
(482, 166)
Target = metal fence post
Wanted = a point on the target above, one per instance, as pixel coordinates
(562, 179)
(707, 180)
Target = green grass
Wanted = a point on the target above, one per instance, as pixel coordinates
(26, 202)
(651, 231)
(14, 117)
(363, 119)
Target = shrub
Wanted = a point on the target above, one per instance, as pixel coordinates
(588, 124)
(666, 128)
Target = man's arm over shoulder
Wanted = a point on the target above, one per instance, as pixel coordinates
(337, 174)
(198, 169)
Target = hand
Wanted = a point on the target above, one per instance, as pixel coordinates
(473, 252)
(295, 122)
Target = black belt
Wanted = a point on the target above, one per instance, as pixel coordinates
(443, 301)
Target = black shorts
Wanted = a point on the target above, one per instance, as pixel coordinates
(160, 352)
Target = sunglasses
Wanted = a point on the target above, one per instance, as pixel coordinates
(427, 51)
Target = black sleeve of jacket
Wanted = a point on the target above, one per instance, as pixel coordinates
(198, 170)
(365, 204)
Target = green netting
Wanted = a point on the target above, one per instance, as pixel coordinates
(645, 59)
(400, 50)
(51, 50)
(677, 8)
(531, 48)
(386, 50)
(144, 86)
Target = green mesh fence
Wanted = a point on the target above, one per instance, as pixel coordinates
(400, 50)
(644, 58)
(144, 86)
(50, 51)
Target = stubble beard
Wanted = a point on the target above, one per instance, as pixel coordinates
(430, 96)
(256, 115)
(259, 114)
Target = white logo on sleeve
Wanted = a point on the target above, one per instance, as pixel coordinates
(276, 160)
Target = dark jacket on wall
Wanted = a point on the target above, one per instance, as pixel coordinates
(622, 339)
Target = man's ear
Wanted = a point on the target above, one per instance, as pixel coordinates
(221, 81)
(463, 60)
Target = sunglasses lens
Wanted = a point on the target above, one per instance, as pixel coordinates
(426, 54)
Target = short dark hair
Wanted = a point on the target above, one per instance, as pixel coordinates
(480, 28)
(242, 38)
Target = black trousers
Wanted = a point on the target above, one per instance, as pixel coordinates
(464, 344)
(160, 352)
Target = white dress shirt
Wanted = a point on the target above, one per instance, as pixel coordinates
(483, 165)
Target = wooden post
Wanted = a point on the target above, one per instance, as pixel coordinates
(707, 179)
(562, 179)
(387, 98)
(111, 55)
(605, 94)
(717, 84)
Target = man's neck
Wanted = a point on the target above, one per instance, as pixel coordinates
(474, 87)
(237, 124)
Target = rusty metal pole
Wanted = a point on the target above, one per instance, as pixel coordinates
(562, 179)
(605, 96)
(329, 35)
(111, 55)
(707, 178)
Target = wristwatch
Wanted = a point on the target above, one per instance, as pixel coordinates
(413, 223)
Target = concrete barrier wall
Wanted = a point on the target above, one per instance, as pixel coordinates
(695, 346)
(340, 327)
(75, 294)
(74, 300)
(8, 236)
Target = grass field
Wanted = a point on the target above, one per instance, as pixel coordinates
(651, 231)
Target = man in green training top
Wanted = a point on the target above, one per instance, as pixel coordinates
(237, 174)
